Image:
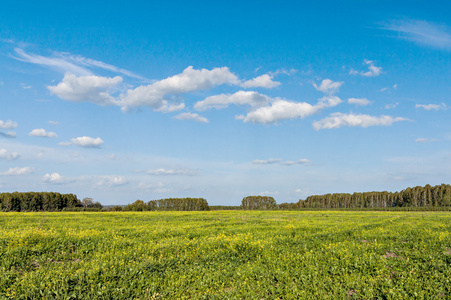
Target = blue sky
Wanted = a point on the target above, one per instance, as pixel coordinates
(121, 101)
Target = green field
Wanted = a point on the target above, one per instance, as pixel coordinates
(226, 255)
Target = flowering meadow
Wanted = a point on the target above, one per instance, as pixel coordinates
(225, 255)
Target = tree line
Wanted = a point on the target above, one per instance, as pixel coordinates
(426, 196)
(45, 201)
(169, 204)
(38, 201)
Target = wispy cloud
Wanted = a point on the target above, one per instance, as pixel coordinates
(359, 101)
(373, 70)
(280, 161)
(111, 180)
(425, 140)
(68, 63)
(422, 32)
(337, 120)
(158, 187)
(8, 125)
(9, 134)
(5, 154)
(391, 105)
(266, 161)
(301, 161)
(441, 106)
(191, 116)
(99, 64)
(169, 172)
(289, 72)
(18, 171)
(328, 86)
(53, 62)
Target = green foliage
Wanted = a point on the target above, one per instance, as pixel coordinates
(170, 204)
(427, 196)
(225, 255)
(258, 202)
(138, 205)
(116, 208)
(42, 201)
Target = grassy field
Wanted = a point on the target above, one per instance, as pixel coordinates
(226, 255)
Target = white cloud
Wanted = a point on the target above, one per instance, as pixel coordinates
(282, 110)
(55, 178)
(111, 180)
(18, 171)
(441, 106)
(266, 161)
(301, 161)
(359, 101)
(253, 99)
(422, 32)
(191, 116)
(87, 142)
(95, 89)
(277, 111)
(425, 140)
(42, 133)
(164, 172)
(264, 81)
(337, 120)
(4, 154)
(373, 71)
(156, 95)
(328, 86)
(7, 124)
(54, 122)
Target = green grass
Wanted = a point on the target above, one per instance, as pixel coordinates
(226, 255)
